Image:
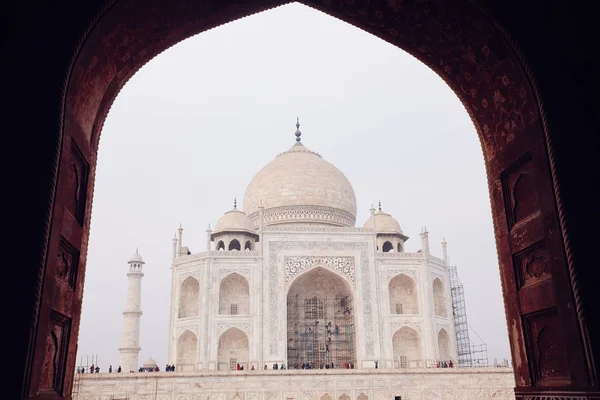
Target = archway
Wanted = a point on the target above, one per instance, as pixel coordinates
(407, 348)
(189, 298)
(233, 350)
(443, 345)
(477, 59)
(234, 245)
(439, 298)
(187, 349)
(387, 247)
(403, 295)
(248, 245)
(220, 245)
(234, 295)
(320, 320)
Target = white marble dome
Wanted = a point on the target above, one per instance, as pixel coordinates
(234, 221)
(384, 223)
(299, 186)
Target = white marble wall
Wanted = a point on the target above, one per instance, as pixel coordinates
(426, 384)
(284, 254)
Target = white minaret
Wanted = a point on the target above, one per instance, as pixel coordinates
(130, 343)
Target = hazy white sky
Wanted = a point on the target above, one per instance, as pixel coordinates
(189, 131)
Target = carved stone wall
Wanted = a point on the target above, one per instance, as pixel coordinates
(428, 384)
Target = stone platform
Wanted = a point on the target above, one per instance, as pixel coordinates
(343, 384)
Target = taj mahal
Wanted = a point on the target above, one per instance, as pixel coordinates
(292, 298)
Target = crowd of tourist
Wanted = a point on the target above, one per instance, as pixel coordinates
(96, 369)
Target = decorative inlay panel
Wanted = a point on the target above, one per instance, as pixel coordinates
(518, 186)
(194, 274)
(417, 326)
(408, 272)
(243, 326)
(55, 354)
(532, 265)
(546, 347)
(189, 327)
(275, 286)
(304, 213)
(245, 272)
(294, 266)
(67, 263)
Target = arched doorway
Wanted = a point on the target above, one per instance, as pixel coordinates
(187, 349)
(233, 350)
(234, 295)
(473, 53)
(443, 345)
(320, 320)
(189, 298)
(403, 295)
(407, 348)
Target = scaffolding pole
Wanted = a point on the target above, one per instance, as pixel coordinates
(321, 333)
(469, 354)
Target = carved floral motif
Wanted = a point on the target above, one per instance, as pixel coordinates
(417, 326)
(243, 326)
(245, 272)
(391, 273)
(293, 266)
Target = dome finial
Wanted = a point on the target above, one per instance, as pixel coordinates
(379, 205)
(136, 250)
(235, 203)
(298, 133)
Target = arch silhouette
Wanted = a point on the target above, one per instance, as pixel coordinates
(187, 349)
(234, 245)
(444, 345)
(403, 294)
(189, 298)
(234, 295)
(233, 349)
(320, 297)
(407, 349)
(387, 246)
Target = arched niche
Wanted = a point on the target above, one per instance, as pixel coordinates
(248, 245)
(403, 295)
(406, 344)
(387, 246)
(189, 298)
(443, 340)
(320, 320)
(439, 298)
(233, 349)
(234, 295)
(234, 245)
(220, 245)
(187, 349)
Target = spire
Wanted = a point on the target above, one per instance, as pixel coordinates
(235, 203)
(136, 250)
(298, 133)
(379, 205)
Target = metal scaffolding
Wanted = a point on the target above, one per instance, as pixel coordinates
(470, 355)
(321, 333)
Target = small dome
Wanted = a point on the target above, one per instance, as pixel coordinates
(234, 221)
(150, 363)
(136, 258)
(384, 223)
